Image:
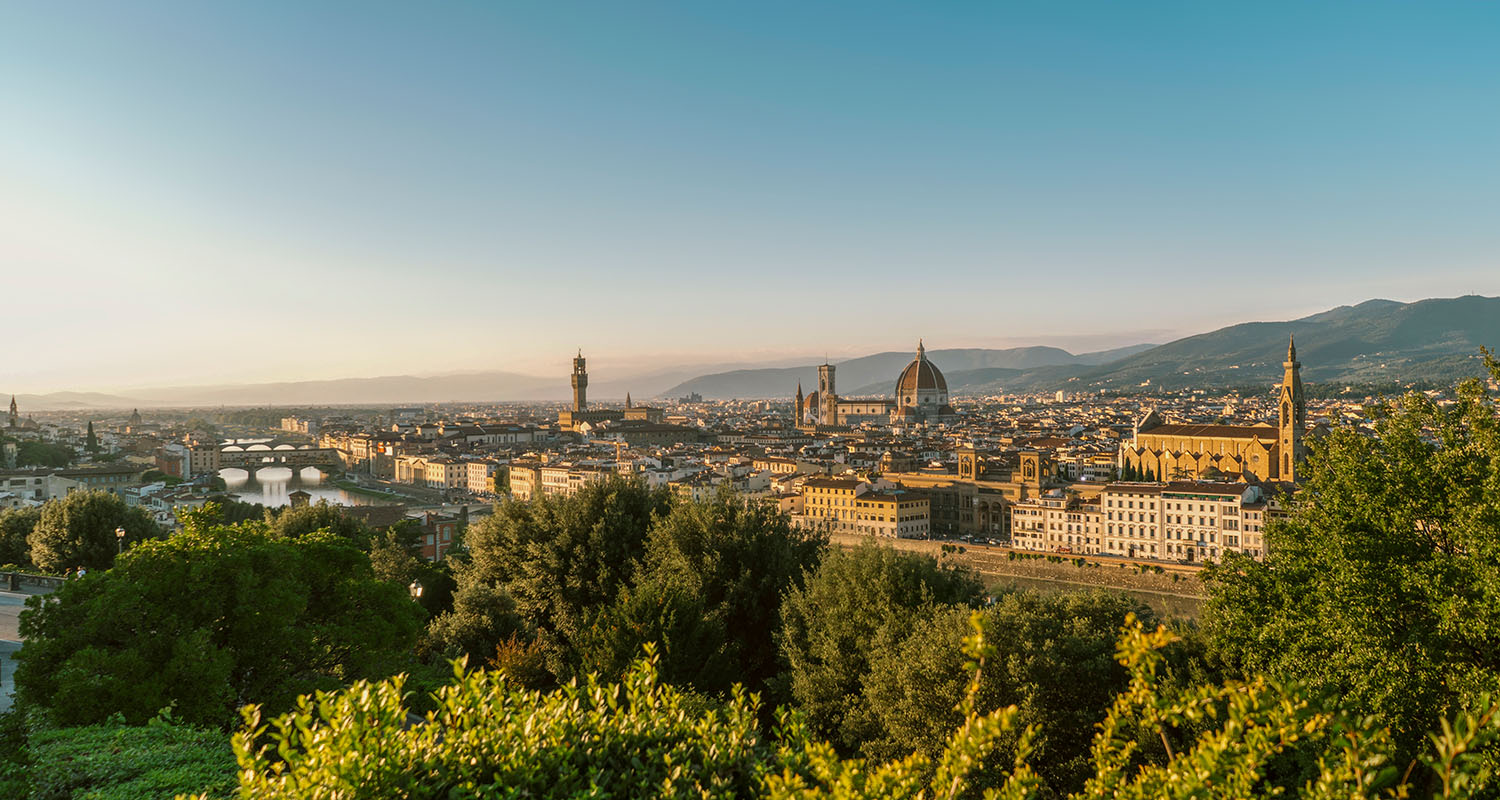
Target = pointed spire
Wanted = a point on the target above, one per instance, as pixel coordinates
(1291, 348)
(627, 400)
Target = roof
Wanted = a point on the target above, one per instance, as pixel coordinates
(1217, 431)
(832, 483)
(920, 374)
(376, 516)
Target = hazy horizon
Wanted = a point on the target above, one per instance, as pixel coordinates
(198, 195)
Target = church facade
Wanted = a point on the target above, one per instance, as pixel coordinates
(921, 397)
(1262, 452)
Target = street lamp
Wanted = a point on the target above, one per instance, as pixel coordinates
(119, 540)
(416, 590)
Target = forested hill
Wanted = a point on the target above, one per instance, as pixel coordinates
(1377, 341)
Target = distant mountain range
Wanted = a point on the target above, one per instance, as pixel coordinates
(876, 374)
(1378, 341)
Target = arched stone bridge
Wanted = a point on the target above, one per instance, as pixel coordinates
(250, 456)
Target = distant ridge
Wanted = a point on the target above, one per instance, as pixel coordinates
(1376, 341)
(875, 374)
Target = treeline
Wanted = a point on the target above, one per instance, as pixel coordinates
(620, 643)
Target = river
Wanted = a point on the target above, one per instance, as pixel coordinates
(271, 485)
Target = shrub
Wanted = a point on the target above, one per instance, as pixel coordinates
(113, 761)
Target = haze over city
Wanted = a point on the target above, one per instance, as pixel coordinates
(213, 193)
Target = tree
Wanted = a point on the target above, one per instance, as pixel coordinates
(643, 738)
(396, 557)
(856, 604)
(560, 558)
(709, 593)
(16, 524)
(1053, 659)
(32, 453)
(91, 441)
(483, 616)
(1382, 588)
(211, 619)
(294, 522)
(79, 531)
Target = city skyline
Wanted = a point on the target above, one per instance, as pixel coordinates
(216, 195)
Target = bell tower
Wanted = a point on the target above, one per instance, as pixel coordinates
(968, 463)
(580, 383)
(15, 415)
(1291, 415)
(828, 398)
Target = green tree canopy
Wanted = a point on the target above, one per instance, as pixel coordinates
(79, 531)
(1382, 589)
(320, 516)
(208, 620)
(16, 525)
(32, 453)
(560, 558)
(709, 593)
(856, 604)
(1053, 659)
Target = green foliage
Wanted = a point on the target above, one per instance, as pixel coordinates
(489, 738)
(561, 558)
(208, 620)
(294, 522)
(112, 761)
(1382, 590)
(16, 525)
(858, 603)
(33, 453)
(396, 557)
(232, 511)
(79, 531)
(483, 616)
(1053, 658)
(709, 594)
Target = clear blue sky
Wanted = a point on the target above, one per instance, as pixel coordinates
(193, 192)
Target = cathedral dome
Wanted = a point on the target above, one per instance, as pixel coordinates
(922, 392)
(920, 374)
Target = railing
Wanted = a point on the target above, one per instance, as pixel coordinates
(20, 581)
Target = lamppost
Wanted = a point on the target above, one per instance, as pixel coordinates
(119, 540)
(416, 590)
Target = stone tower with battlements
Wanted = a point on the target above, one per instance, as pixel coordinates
(580, 383)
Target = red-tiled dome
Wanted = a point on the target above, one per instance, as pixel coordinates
(920, 374)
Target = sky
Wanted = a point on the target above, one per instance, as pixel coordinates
(199, 193)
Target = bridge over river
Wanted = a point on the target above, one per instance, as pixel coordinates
(252, 455)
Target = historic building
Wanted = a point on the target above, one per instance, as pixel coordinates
(921, 397)
(13, 419)
(1261, 452)
(575, 418)
(922, 393)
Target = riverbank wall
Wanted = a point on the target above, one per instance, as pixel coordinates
(995, 562)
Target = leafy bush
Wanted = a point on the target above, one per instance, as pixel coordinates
(113, 761)
(640, 738)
